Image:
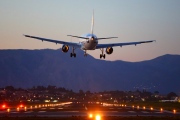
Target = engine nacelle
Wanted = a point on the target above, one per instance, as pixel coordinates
(65, 48)
(109, 50)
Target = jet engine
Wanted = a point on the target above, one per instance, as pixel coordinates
(109, 50)
(65, 48)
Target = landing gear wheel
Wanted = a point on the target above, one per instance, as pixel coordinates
(73, 55)
(102, 56)
(85, 53)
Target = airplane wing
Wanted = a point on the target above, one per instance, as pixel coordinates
(55, 41)
(121, 44)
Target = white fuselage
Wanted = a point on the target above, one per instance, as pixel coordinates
(90, 43)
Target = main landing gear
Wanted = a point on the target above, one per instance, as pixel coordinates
(85, 53)
(73, 54)
(102, 55)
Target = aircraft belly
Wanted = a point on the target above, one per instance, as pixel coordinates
(90, 46)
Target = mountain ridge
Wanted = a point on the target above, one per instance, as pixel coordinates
(27, 68)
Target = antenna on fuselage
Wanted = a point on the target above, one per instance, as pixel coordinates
(92, 23)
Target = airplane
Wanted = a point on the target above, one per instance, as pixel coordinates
(176, 99)
(88, 42)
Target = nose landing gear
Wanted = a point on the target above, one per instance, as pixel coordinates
(85, 53)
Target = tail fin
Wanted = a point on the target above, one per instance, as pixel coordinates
(176, 98)
(92, 24)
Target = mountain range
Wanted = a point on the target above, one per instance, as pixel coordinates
(28, 68)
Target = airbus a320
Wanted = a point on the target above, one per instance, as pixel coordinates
(88, 42)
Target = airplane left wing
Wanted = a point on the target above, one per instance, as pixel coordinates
(121, 44)
(77, 45)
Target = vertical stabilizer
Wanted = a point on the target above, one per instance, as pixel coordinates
(92, 24)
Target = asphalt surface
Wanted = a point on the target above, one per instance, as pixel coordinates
(82, 109)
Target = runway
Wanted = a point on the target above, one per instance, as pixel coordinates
(83, 113)
(81, 109)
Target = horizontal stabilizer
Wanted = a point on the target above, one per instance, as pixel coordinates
(106, 38)
(78, 37)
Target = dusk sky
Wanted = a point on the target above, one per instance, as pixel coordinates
(129, 20)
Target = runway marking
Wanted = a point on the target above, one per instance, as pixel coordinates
(165, 111)
(132, 111)
(41, 111)
(60, 108)
(14, 112)
(51, 108)
(43, 108)
(144, 112)
(112, 111)
(106, 111)
(70, 111)
(158, 112)
(73, 111)
(28, 112)
(2, 111)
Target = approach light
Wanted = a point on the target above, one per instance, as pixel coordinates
(174, 111)
(90, 115)
(3, 106)
(21, 106)
(98, 117)
(8, 110)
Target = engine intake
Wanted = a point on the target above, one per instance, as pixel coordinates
(65, 48)
(109, 50)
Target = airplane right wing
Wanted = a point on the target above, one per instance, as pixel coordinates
(121, 44)
(77, 45)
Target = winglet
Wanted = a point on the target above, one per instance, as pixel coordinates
(27, 35)
(92, 24)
